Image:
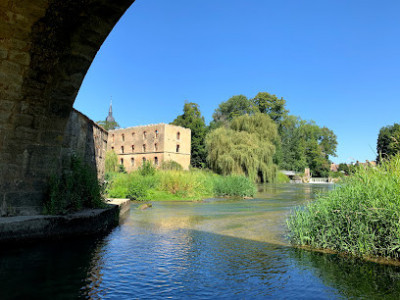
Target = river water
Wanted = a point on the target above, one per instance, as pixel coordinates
(215, 249)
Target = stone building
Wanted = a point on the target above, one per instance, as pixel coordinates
(155, 143)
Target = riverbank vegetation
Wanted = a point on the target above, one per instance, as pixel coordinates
(147, 183)
(360, 216)
(75, 190)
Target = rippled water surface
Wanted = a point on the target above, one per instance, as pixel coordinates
(214, 249)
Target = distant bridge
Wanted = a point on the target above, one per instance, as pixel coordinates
(46, 48)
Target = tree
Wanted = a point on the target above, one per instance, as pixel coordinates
(192, 119)
(305, 144)
(111, 161)
(271, 105)
(108, 125)
(388, 141)
(246, 147)
(328, 142)
(293, 154)
(235, 106)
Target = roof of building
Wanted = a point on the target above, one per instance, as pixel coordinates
(110, 117)
(150, 125)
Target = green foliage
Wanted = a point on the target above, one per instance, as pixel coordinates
(234, 186)
(305, 144)
(192, 119)
(271, 105)
(111, 162)
(360, 216)
(170, 165)
(147, 169)
(234, 107)
(388, 141)
(178, 185)
(282, 178)
(121, 168)
(247, 148)
(347, 169)
(76, 189)
(108, 125)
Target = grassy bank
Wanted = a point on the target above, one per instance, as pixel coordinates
(361, 216)
(177, 185)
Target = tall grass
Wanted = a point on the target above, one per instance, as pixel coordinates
(178, 185)
(361, 216)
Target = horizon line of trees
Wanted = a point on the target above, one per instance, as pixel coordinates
(256, 137)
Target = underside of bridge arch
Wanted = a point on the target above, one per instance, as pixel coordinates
(46, 48)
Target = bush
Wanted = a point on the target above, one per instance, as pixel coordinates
(360, 216)
(234, 185)
(282, 178)
(171, 165)
(76, 189)
(147, 169)
(178, 185)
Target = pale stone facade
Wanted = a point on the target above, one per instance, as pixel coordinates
(155, 143)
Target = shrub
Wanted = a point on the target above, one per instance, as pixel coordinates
(147, 169)
(75, 189)
(282, 178)
(111, 161)
(170, 165)
(360, 216)
(234, 185)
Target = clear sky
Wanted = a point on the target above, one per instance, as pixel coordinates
(336, 62)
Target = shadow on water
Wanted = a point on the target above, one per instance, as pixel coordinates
(187, 264)
(214, 249)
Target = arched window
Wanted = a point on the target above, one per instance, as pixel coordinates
(155, 147)
(132, 161)
(133, 135)
(123, 137)
(144, 134)
(122, 149)
(156, 133)
(177, 148)
(143, 160)
(144, 147)
(156, 161)
(178, 135)
(133, 148)
(122, 161)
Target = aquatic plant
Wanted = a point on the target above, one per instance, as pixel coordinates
(360, 216)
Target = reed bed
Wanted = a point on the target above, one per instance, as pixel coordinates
(177, 185)
(361, 216)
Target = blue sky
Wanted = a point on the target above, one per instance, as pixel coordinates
(335, 62)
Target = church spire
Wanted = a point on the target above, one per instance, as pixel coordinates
(110, 117)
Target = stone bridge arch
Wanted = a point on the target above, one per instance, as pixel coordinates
(46, 48)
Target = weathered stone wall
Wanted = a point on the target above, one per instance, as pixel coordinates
(160, 140)
(85, 139)
(46, 48)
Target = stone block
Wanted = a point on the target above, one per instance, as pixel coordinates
(8, 66)
(6, 105)
(16, 199)
(20, 57)
(23, 120)
(3, 54)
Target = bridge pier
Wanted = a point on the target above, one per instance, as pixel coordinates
(46, 48)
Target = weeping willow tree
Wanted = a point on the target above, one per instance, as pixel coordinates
(246, 147)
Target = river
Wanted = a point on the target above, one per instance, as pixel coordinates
(215, 249)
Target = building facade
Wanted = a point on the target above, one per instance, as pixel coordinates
(156, 143)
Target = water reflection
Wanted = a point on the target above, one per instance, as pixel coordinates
(213, 249)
